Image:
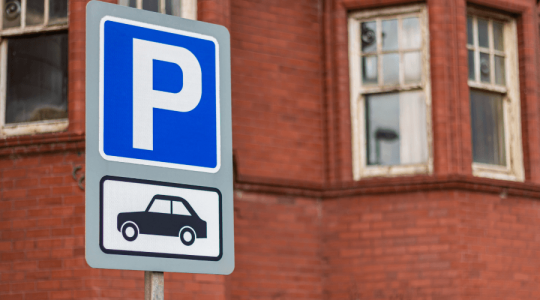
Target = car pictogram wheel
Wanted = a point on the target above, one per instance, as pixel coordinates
(130, 232)
(187, 236)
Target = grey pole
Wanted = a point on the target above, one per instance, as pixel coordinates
(153, 285)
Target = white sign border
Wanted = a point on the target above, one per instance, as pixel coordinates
(101, 97)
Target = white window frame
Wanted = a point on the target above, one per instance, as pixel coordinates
(511, 101)
(188, 8)
(358, 91)
(25, 127)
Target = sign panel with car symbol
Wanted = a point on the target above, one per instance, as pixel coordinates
(141, 217)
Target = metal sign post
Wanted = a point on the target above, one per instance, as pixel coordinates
(154, 286)
(159, 192)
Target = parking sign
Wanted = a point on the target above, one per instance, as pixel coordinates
(159, 146)
(166, 70)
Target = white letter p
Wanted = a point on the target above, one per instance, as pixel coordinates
(145, 98)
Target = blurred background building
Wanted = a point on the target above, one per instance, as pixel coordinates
(384, 149)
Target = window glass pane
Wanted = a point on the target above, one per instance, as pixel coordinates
(484, 67)
(34, 12)
(58, 11)
(130, 3)
(37, 78)
(180, 209)
(390, 68)
(498, 39)
(389, 35)
(487, 128)
(161, 206)
(412, 119)
(12, 14)
(412, 67)
(172, 7)
(369, 36)
(471, 65)
(499, 70)
(470, 34)
(369, 70)
(151, 5)
(382, 129)
(483, 40)
(411, 37)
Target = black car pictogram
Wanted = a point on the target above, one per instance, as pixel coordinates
(165, 215)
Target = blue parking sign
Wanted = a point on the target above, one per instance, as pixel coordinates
(159, 96)
(159, 160)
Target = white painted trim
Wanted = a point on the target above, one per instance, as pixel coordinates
(101, 96)
(23, 13)
(162, 8)
(2, 5)
(189, 9)
(514, 111)
(3, 83)
(46, 11)
(388, 12)
(32, 29)
(34, 127)
(354, 78)
(358, 90)
(488, 87)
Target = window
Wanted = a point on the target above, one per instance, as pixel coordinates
(161, 206)
(180, 209)
(494, 96)
(34, 67)
(181, 8)
(390, 92)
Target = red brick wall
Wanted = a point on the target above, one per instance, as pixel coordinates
(41, 228)
(500, 244)
(396, 246)
(77, 48)
(431, 245)
(277, 246)
(277, 89)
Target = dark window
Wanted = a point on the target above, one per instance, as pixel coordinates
(57, 11)
(34, 12)
(487, 128)
(37, 74)
(151, 5)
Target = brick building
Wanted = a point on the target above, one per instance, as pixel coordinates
(384, 149)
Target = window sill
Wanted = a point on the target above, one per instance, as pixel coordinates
(488, 87)
(40, 143)
(33, 29)
(495, 172)
(20, 129)
(393, 171)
